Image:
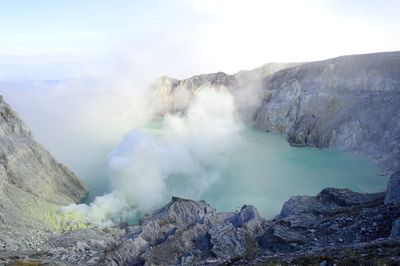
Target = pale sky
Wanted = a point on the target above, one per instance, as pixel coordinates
(55, 39)
(129, 44)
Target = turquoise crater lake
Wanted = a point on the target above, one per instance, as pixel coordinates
(266, 171)
(263, 170)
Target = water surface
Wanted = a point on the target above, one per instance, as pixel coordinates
(264, 171)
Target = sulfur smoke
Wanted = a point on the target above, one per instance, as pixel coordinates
(145, 169)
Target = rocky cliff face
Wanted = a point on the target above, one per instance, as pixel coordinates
(336, 227)
(192, 232)
(349, 102)
(186, 232)
(32, 185)
(171, 95)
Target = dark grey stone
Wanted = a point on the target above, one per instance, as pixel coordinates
(393, 189)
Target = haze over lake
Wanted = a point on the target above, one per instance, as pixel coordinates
(264, 171)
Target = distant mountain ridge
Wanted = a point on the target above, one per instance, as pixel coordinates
(349, 102)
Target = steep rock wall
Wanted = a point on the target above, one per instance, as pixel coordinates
(350, 102)
(32, 184)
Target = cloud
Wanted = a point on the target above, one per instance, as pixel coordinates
(185, 158)
(79, 121)
(158, 38)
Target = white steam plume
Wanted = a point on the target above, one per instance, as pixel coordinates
(190, 153)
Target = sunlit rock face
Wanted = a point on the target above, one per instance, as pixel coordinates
(170, 95)
(349, 102)
(207, 153)
(186, 232)
(32, 184)
(190, 231)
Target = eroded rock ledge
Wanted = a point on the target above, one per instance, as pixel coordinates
(336, 226)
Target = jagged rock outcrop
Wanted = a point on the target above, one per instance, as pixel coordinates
(336, 226)
(32, 185)
(187, 232)
(193, 233)
(349, 102)
(172, 95)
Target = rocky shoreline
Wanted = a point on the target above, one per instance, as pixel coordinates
(350, 103)
(335, 227)
(336, 220)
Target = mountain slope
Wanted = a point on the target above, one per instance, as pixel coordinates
(349, 102)
(32, 184)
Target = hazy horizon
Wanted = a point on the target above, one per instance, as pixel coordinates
(181, 38)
